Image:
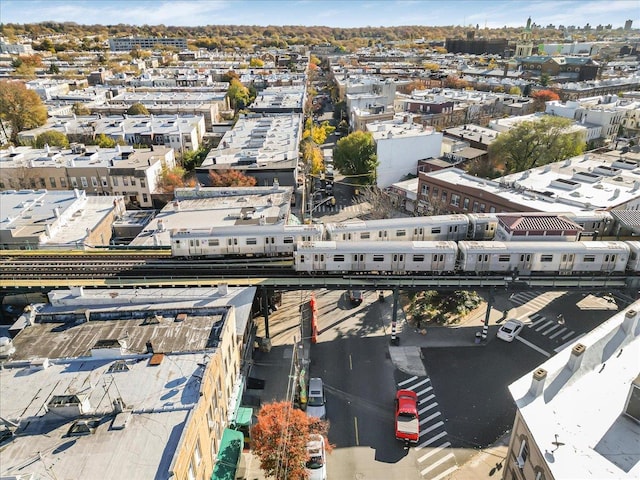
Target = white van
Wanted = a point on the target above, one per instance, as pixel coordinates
(316, 400)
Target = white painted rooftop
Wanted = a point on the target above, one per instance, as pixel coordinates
(583, 408)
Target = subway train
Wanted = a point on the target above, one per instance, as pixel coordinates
(470, 257)
(272, 240)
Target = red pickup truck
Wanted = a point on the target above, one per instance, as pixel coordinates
(407, 421)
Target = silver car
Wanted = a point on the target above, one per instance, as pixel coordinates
(316, 400)
(510, 330)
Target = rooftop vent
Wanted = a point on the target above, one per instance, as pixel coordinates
(632, 405)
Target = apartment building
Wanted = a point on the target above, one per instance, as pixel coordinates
(120, 171)
(126, 44)
(147, 380)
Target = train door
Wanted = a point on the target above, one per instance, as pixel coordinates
(483, 263)
(566, 263)
(397, 262)
(418, 234)
(232, 245)
(195, 247)
(270, 247)
(357, 264)
(453, 232)
(438, 262)
(318, 262)
(524, 262)
(346, 236)
(609, 263)
(382, 235)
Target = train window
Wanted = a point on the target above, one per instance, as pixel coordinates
(362, 258)
(435, 257)
(564, 258)
(355, 258)
(378, 258)
(287, 240)
(252, 241)
(504, 258)
(441, 257)
(197, 243)
(191, 243)
(338, 258)
(395, 258)
(606, 258)
(589, 258)
(365, 236)
(418, 258)
(322, 258)
(401, 233)
(214, 242)
(380, 234)
(546, 258)
(436, 230)
(402, 258)
(613, 258)
(486, 258)
(302, 258)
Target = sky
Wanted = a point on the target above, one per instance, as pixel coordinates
(331, 13)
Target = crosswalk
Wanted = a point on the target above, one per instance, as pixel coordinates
(356, 209)
(435, 458)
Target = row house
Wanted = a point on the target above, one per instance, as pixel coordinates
(611, 86)
(560, 68)
(121, 171)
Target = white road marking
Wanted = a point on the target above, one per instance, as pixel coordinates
(413, 387)
(535, 347)
(559, 332)
(422, 392)
(427, 408)
(565, 345)
(408, 380)
(434, 451)
(546, 324)
(546, 332)
(568, 335)
(429, 418)
(431, 428)
(446, 473)
(436, 464)
(424, 400)
(536, 322)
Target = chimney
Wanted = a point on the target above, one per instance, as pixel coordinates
(56, 212)
(77, 291)
(537, 382)
(48, 229)
(576, 357)
(76, 193)
(223, 289)
(629, 322)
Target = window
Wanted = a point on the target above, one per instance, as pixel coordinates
(378, 258)
(83, 181)
(133, 181)
(252, 241)
(546, 258)
(287, 240)
(125, 181)
(492, 209)
(94, 181)
(589, 258)
(465, 204)
(42, 182)
(74, 182)
(104, 181)
(443, 197)
(436, 230)
(455, 200)
(425, 190)
(475, 207)
(145, 198)
(214, 242)
(418, 258)
(365, 236)
(435, 192)
(504, 258)
(52, 182)
(401, 233)
(482, 207)
(338, 258)
(143, 183)
(63, 182)
(524, 453)
(114, 181)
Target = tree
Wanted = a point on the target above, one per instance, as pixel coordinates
(256, 62)
(355, 155)
(103, 141)
(238, 94)
(312, 156)
(230, 178)
(21, 107)
(279, 440)
(532, 144)
(171, 178)
(515, 91)
(137, 109)
(194, 158)
(80, 108)
(542, 96)
(53, 138)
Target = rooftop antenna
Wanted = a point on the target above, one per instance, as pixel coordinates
(556, 443)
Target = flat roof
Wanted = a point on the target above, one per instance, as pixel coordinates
(582, 408)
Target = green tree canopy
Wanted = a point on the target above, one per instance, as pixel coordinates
(355, 155)
(80, 108)
(53, 138)
(103, 141)
(20, 107)
(137, 109)
(532, 144)
(238, 94)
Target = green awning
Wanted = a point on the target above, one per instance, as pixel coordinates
(229, 453)
(243, 416)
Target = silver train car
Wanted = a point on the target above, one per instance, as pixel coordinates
(254, 240)
(563, 258)
(380, 257)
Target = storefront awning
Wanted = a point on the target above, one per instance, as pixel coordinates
(229, 453)
(243, 417)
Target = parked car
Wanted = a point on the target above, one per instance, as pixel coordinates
(316, 464)
(316, 399)
(407, 421)
(510, 330)
(355, 296)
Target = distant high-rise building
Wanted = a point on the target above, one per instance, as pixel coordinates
(524, 47)
(627, 24)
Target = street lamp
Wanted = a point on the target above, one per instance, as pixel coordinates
(328, 199)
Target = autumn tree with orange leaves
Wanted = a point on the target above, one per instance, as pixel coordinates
(279, 440)
(230, 178)
(541, 97)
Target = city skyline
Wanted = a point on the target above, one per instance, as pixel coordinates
(330, 13)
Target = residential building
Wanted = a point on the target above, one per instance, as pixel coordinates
(560, 68)
(578, 413)
(585, 182)
(39, 219)
(276, 100)
(400, 144)
(120, 171)
(587, 131)
(126, 44)
(610, 86)
(127, 374)
(265, 148)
